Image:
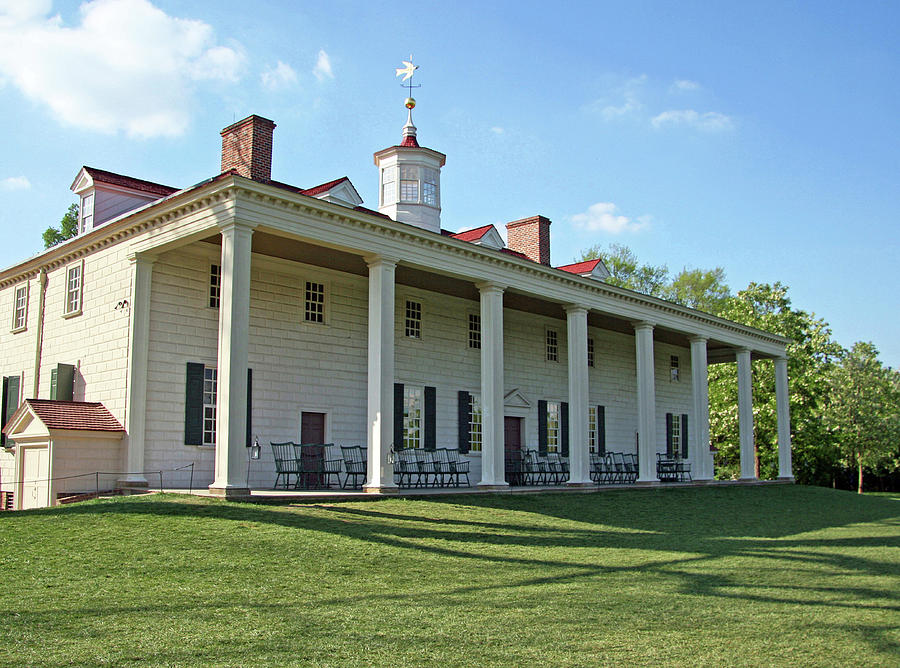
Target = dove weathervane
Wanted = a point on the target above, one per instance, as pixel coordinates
(407, 72)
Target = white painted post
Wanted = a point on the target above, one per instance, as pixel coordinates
(745, 414)
(579, 458)
(783, 410)
(698, 447)
(381, 375)
(136, 387)
(493, 474)
(234, 342)
(646, 400)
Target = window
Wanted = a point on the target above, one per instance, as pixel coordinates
(314, 305)
(552, 346)
(475, 422)
(210, 382)
(553, 426)
(429, 186)
(676, 437)
(474, 331)
(591, 354)
(413, 399)
(414, 320)
(592, 429)
(674, 368)
(20, 308)
(389, 185)
(87, 213)
(9, 402)
(409, 183)
(215, 285)
(73, 289)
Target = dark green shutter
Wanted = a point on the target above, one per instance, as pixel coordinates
(463, 417)
(249, 406)
(398, 416)
(430, 418)
(669, 449)
(62, 382)
(3, 404)
(193, 404)
(684, 435)
(564, 428)
(601, 430)
(542, 426)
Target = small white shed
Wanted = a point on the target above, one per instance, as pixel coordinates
(57, 445)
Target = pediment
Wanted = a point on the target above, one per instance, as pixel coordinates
(515, 399)
(491, 239)
(343, 193)
(82, 181)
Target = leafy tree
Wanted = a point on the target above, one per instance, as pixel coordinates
(863, 411)
(68, 228)
(626, 272)
(705, 290)
(811, 356)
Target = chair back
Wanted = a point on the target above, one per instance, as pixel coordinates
(285, 459)
(354, 458)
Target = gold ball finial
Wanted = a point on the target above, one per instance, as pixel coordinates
(410, 103)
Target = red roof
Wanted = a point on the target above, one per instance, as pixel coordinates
(472, 235)
(102, 176)
(410, 141)
(510, 251)
(324, 188)
(76, 415)
(585, 267)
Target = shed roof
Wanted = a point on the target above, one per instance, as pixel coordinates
(70, 415)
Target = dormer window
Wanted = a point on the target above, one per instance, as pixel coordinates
(86, 213)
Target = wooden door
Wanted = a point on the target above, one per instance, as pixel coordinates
(35, 483)
(312, 427)
(512, 448)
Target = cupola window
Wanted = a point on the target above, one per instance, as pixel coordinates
(409, 183)
(389, 185)
(429, 186)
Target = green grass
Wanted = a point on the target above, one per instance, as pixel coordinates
(770, 575)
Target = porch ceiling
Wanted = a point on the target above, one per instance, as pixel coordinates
(296, 250)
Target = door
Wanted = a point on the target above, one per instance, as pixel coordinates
(35, 478)
(512, 448)
(312, 430)
(312, 427)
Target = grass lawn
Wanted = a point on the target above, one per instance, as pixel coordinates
(769, 575)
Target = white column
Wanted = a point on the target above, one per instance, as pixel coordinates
(745, 414)
(136, 383)
(783, 411)
(646, 401)
(698, 445)
(493, 474)
(234, 342)
(579, 459)
(380, 477)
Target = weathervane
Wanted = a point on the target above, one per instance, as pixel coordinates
(407, 72)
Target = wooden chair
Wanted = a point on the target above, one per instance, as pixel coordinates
(458, 467)
(285, 462)
(354, 457)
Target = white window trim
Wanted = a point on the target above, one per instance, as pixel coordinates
(421, 406)
(593, 431)
(475, 398)
(469, 345)
(82, 228)
(205, 443)
(326, 304)
(20, 328)
(209, 286)
(556, 447)
(402, 320)
(80, 309)
(547, 359)
(674, 369)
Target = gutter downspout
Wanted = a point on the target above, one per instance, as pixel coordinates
(39, 344)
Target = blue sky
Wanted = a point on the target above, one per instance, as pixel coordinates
(760, 137)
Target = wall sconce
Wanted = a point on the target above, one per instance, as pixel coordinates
(254, 449)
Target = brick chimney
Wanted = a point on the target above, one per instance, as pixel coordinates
(531, 237)
(247, 148)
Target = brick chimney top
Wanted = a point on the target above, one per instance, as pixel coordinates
(530, 236)
(247, 148)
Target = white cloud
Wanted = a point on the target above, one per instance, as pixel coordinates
(627, 100)
(683, 86)
(279, 77)
(15, 183)
(604, 217)
(323, 70)
(709, 121)
(497, 130)
(127, 67)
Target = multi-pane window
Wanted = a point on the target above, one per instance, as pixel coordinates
(87, 212)
(414, 320)
(20, 310)
(552, 346)
(73, 289)
(591, 354)
(429, 186)
(592, 429)
(475, 422)
(553, 426)
(409, 183)
(413, 398)
(215, 285)
(314, 304)
(210, 381)
(674, 368)
(676, 436)
(389, 185)
(474, 331)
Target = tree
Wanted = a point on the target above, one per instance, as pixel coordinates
(863, 411)
(705, 290)
(68, 228)
(626, 272)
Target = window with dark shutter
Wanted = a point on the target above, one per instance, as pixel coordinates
(10, 401)
(193, 404)
(542, 426)
(430, 418)
(684, 436)
(564, 428)
(601, 430)
(670, 450)
(463, 418)
(398, 415)
(62, 382)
